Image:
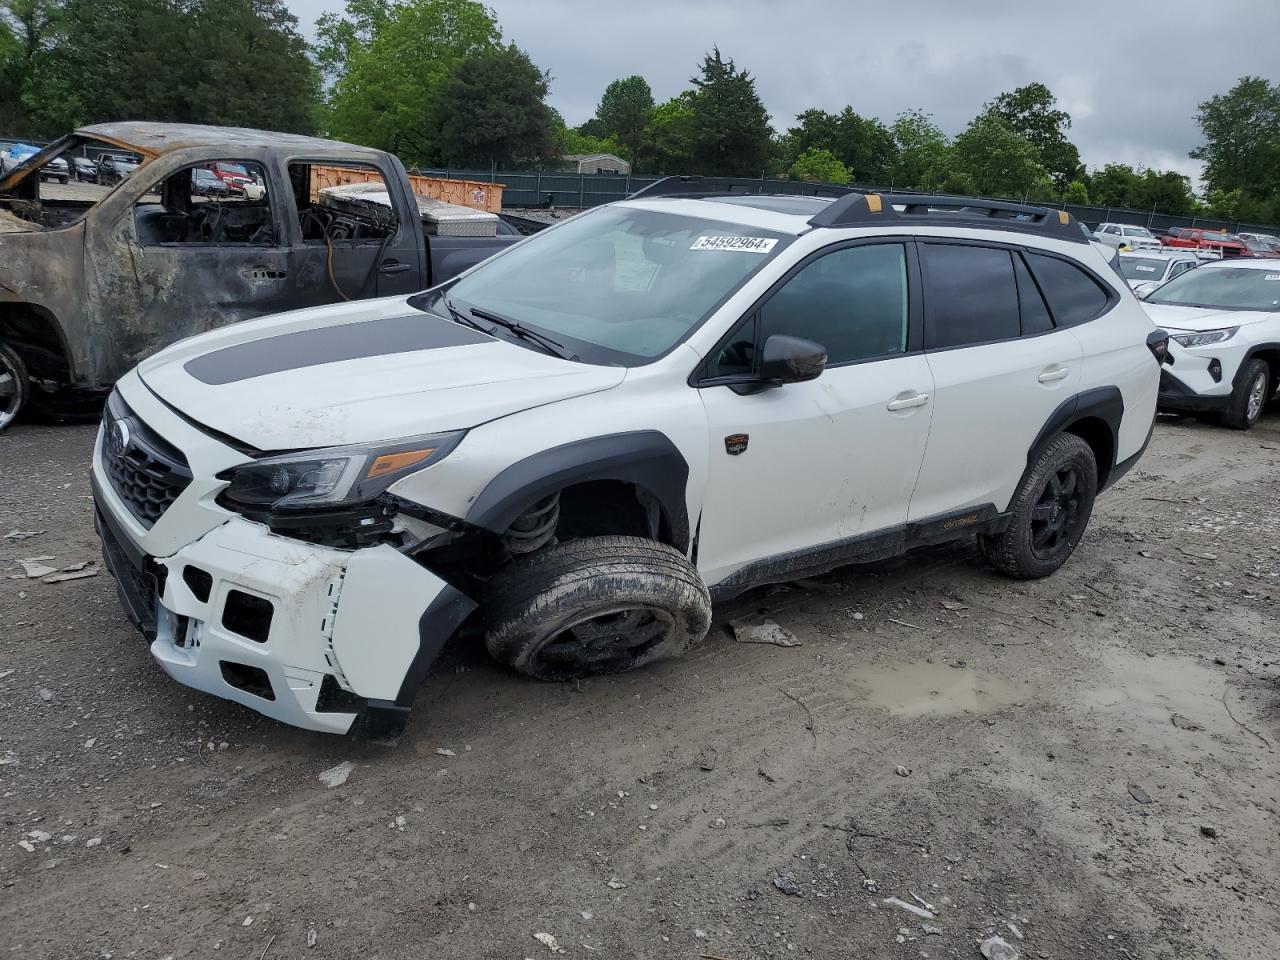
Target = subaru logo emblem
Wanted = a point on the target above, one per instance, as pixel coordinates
(119, 438)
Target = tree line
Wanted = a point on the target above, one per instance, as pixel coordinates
(435, 82)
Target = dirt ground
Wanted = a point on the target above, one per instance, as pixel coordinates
(1087, 765)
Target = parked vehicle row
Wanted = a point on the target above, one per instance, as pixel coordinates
(19, 153)
(1204, 241)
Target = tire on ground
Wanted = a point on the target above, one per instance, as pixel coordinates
(1237, 414)
(14, 385)
(1011, 552)
(533, 607)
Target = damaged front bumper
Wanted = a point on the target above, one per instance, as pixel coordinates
(321, 638)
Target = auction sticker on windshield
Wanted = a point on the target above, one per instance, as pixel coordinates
(737, 244)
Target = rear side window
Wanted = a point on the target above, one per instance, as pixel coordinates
(971, 295)
(1074, 297)
(1035, 315)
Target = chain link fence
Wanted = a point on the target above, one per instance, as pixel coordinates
(526, 188)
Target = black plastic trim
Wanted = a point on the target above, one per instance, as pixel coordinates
(645, 458)
(1177, 397)
(863, 548)
(1249, 355)
(386, 719)
(1104, 403)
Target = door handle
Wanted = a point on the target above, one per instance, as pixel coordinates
(1052, 374)
(906, 403)
(393, 266)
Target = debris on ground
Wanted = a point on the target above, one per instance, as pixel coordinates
(46, 694)
(786, 882)
(1208, 831)
(22, 534)
(1139, 794)
(902, 771)
(931, 930)
(337, 776)
(311, 936)
(79, 574)
(1183, 723)
(909, 907)
(765, 632)
(35, 567)
(616, 884)
(548, 941)
(707, 758)
(998, 948)
(445, 752)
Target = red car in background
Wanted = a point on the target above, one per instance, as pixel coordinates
(234, 175)
(1223, 244)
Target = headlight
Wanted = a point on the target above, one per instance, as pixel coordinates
(1205, 337)
(337, 477)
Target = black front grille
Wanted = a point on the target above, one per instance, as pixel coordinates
(147, 472)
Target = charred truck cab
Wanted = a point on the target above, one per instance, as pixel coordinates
(579, 444)
(97, 276)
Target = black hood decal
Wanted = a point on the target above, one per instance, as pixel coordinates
(347, 341)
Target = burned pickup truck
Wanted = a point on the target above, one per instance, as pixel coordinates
(95, 277)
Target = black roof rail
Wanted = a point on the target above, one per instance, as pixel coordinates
(709, 186)
(905, 209)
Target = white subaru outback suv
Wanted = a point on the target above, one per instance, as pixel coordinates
(579, 444)
(1223, 319)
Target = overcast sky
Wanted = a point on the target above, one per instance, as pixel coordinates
(1130, 72)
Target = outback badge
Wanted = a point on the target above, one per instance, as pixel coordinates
(735, 443)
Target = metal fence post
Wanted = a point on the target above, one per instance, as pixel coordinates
(582, 184)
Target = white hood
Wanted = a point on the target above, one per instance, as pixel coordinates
(357, 372)
(1202, 318)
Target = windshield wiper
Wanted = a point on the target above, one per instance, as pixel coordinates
(459, 316)
(554, 347)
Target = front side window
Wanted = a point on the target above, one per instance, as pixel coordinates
(970, 295)
(852, 301)
(619, 284)
(1073, 296)
(198, 205)
(1223, 288)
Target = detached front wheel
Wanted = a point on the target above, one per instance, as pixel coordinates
(1050, 511)
(14, 385)
(595, 606)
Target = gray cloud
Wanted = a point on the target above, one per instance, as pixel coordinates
(1129, 73)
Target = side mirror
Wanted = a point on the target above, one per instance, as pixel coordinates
(792, 359)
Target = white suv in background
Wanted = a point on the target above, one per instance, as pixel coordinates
(583, 441)
(1223, 319)
(1121, 235)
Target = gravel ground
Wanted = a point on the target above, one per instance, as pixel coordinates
(1085, 765)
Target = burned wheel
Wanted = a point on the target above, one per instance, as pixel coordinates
(14, 385)
(1049, 512)
(595, 606)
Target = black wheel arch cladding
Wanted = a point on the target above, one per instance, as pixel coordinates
(1104, 404)
(645, 459)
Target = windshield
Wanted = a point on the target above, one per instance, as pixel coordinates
(619, 284)
(1141, 268)
(1224, 288)
(1138, 232)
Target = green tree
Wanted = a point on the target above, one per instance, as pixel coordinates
(492, 111)
(998, 161)
(820, 165)
(1166, 191)
(862, 144)
(339, 37)
(623, 113)
(1115, 185)
(668, 140)
(28, 29)
(958, 183)
(920, 162)
(731, 135)
(1076, 192)
(572, 141)
(392, 69)
(1032, 112)
(1242, 138)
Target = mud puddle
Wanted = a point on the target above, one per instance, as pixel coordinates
(941, 687)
